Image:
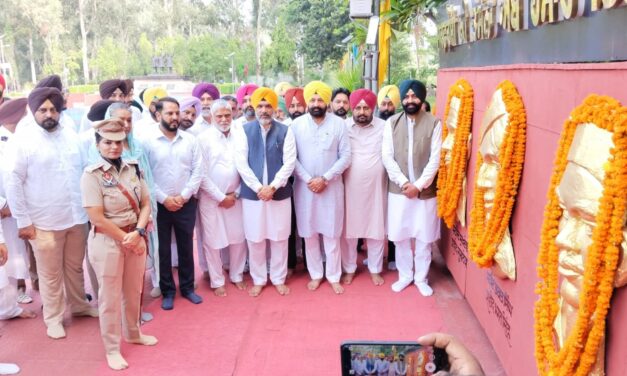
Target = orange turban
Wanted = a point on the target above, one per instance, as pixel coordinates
(264, 94)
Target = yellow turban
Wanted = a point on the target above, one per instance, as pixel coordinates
(391, 92)
(317, 87)
(282, 87)
(154, 93)
(264, 93)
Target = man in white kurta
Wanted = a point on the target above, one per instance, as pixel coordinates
(365, 187)
(11, 112)
(218, 201)
(265, 160)
(44, 196)
(411, 154)
(324, 153)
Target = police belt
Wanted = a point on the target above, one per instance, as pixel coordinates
(127, 229)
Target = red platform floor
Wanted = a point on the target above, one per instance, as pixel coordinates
(269, 335)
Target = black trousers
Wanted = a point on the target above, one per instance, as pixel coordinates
(291, 243)
(182, 221)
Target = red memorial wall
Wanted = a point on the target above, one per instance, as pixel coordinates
(503, 307)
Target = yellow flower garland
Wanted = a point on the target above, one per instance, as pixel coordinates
(485, 237)
(579, 352)
(451, 177)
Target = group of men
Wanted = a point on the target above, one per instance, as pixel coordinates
(369, 364)
(246, 185)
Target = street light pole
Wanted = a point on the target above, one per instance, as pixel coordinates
(232, 56)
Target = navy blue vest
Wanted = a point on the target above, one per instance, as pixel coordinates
(272, 154)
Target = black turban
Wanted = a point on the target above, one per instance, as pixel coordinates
(51, 81)
(108, 87)
(39, 95)
(99, 109)
(11, 112)
(416, 86)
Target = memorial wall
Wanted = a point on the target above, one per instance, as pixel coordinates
(531, 184)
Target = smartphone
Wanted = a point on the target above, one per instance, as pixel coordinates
(363, 358)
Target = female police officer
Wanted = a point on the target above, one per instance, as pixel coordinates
(118, 204)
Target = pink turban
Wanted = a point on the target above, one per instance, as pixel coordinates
(205, 87)
(363, 94)
(245, 90)
(191, 102)
(3, 84)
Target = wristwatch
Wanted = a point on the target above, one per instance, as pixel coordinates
(142, 231)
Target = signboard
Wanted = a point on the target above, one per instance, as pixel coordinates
(488, 19)
(360, 8)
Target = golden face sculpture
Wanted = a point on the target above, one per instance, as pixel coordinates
(579, 193)
(493, 128)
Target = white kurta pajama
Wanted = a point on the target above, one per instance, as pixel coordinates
(17, 266)
(323, 151)
(412, 218)
(266, 220)
(223, 227)
(365, 187)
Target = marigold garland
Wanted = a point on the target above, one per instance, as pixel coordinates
(485, 237)
(451, 176)
(580, 350)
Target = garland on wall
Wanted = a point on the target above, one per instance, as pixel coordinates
(451, 175)
(580, 349)
(485, 234)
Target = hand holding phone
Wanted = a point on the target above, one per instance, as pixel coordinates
(363, 358)
(461, 360)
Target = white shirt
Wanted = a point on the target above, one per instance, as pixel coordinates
(284, 173)
(176, 164)
(145, 127)
(392, 167)
(200, 126)
(43, 185)
(220, 175)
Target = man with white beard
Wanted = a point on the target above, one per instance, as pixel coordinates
(219, 204)
(206, 94)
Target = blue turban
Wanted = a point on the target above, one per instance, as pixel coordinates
(416, 86)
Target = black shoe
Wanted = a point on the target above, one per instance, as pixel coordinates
(167, 303)
(193, 297)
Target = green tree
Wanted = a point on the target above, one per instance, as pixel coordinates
(279, 55)
(110, 59)
(320, 26)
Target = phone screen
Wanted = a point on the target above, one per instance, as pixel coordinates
(362, 358)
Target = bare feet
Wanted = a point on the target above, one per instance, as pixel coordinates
(116, 361)
(144, 339)
(27, 314)
(337, 288)
(240, 285)
(255, 290)
(220, 291)
(282, 289)
(376, 279)
(290, 272)
(314, 284)
(348, 278)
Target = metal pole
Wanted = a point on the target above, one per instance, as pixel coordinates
(375, 54)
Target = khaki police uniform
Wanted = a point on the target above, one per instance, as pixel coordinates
(120, 274)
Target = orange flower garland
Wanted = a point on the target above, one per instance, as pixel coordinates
(579, 352)
(485, 237)
(451, 177)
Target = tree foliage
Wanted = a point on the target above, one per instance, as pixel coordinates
(320, 26)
